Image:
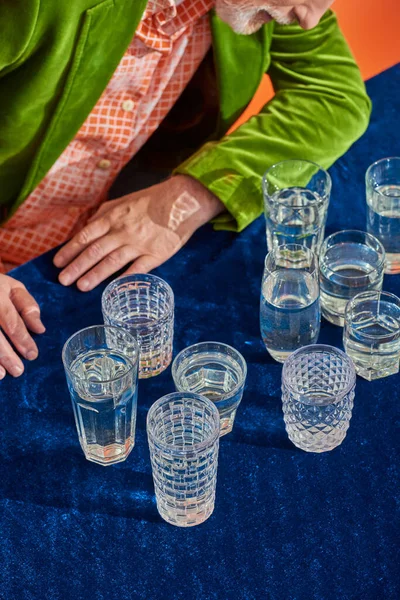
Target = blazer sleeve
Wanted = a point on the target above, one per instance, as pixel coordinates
(319, 109)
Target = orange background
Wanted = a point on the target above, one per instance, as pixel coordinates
(372, 29)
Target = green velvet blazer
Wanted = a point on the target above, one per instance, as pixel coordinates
(56, 58)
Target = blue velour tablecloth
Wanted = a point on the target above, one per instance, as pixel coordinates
(287, 525)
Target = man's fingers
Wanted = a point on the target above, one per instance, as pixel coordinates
(144, 264)
(9, 360)
(28, 308)
(92, 255)
(108, 266)
(80, 241)
(15, 329)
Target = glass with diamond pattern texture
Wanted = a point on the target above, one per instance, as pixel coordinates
(183, 435)
(144, 305)
(318, 387)
(216, 371)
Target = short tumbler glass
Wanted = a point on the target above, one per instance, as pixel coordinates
(383, 200)
(216, 371)
(183, 435)
(296, 200)
(318, 386)
(371, 335)
(290, 312)
(144, 305)
(350, 262)
(101, 367)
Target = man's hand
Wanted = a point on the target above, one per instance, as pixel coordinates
(145, 228)
(18, 313)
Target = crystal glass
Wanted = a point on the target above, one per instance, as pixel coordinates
(216, 371)
(101, 367)
(290, 312)
(371, 335)
(383, 200)
(318, 384)
(183, 434)
(296, 200)
(144, 305)
(350, 262)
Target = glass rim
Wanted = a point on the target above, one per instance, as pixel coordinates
(351, 305)
(324, 248)
(238, 356)
(321, 348)
(123, 278)
(210, 440)
(368, 176)
(302, 160)
(133, 365)
(312, 254)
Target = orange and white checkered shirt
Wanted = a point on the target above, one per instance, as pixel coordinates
(169, 45)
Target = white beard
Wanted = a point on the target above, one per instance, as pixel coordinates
(246, 19)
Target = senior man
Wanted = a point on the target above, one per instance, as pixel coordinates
(85, 83)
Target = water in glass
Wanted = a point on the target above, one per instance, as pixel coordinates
(289, 312)
(346, 270)
(215, 374)
(383, 221)
(372, 335)
(104, 401)
(295, 216)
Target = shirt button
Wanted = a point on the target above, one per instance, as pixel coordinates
(128, 105)
(104, 164)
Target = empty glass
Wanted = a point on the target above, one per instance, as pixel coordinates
(183, 435)
(101, 367)
(296, 200)
(371, 334)
(318, 384)
(290, 312)
(144, 305)
(383, 199)
(216, 371)
(350, 262)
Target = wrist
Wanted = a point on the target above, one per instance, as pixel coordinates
(210, 206)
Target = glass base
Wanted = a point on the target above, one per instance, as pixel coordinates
(183, 517)
(150, 367)
(333, 317)
(392, 264)
(317, 444)
(371, 374)
(279, 356)
(108, 455)
(226, 422)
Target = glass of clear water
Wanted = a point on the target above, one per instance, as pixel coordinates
(101, 367)
(318, 387)
(296, 200)
(290, 312)
(216, 371)
(371, 335)
(350, 262)
(183, 435)
(383, 200)
(144, 305)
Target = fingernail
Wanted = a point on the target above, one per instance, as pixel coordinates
(16, 370)
(2, 373)
(64, 279)
(32, 354)
(84, 285)
(41, 328)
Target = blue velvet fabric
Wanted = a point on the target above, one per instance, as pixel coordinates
(287, 524)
